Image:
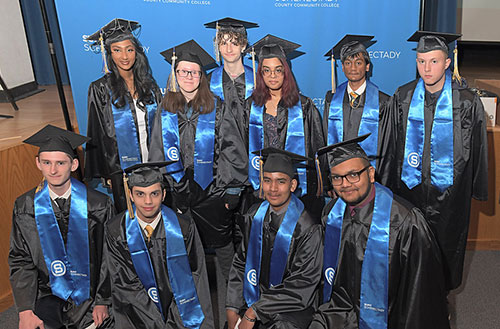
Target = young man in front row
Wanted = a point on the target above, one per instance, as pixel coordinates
(156, 260)
(274, 277)
(381, 263)
(56, 244)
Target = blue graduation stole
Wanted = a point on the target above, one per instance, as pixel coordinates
(374, 300)
(369, 119)
(203, 147)
(180, 276)
(295, 142)
(441, 139)
(216, 82)
(68, 267)
(127, 139)
(279, 255)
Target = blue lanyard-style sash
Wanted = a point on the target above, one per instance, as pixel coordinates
(170, 134)
(216, 85)
(141, 259)
(203, 146)
(129, 150)
(369, 119)
(280, 251)
(181, 279)
(295, 141)
(441, 139)
(69, 269)
(204, 149)
(255, 143)
(375, 270)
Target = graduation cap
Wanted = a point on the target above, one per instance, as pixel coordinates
(429, 41)
(228, 25)
(349, 45)
(117, 27)
(189, 51)
(142, 175)
(339, 153)
(52, 139)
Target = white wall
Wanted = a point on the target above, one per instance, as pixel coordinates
(15, 61)
(480, 20)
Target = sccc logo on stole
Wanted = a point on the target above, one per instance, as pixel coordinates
(58, 268)
(329, 275)
(173, 153)
(252, 277)
(153, 294)
(413, 159)
(256, 162)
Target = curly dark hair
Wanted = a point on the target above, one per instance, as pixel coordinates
(143, 78)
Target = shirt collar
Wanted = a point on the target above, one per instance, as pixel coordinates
(153, 224)
(358, 91)
(54, 196)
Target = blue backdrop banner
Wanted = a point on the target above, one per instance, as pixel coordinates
(317, 25)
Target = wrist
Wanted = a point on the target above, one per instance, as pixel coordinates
(249, 319)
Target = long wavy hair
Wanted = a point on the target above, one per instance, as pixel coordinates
(289, 90)
(202, 102)
(143, 78)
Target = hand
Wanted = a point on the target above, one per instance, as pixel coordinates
(99, 314)
(28, 320)
(245, 324)
(232, 318)
(231, 201)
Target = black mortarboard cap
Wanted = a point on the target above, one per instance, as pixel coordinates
(114, 28)
(277, 160)
(146, 174)
(340, 152)
(349, 45)
(231, 24)
(271, 46)
(429, 41)
(190, 51)
(53, 139)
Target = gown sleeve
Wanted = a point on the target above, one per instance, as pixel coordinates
(479, 152)
(23, 271)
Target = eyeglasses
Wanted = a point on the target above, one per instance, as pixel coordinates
(268, 72)
(352, 177)
(184, 73)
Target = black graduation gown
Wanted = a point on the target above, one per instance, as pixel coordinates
(352, 116)
(132, 306)
(417, 297)
(294, 299)
(237, 156)
(101, 153)
(234, 93)
(206, 206)
(29, 276)
(446, 212)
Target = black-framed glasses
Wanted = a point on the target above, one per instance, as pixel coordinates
(185, 73)
(352, 177)
(279, 71)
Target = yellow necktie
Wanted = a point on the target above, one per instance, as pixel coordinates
(149, 229)
(353, 97)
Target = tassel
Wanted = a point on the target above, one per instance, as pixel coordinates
(127, 196)
(253, 66)
(216, 43)
(456, 75)
(40, 186)
(103, 54)
(319, 192)
(261, 177)
(172, 83)
(333, 73)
